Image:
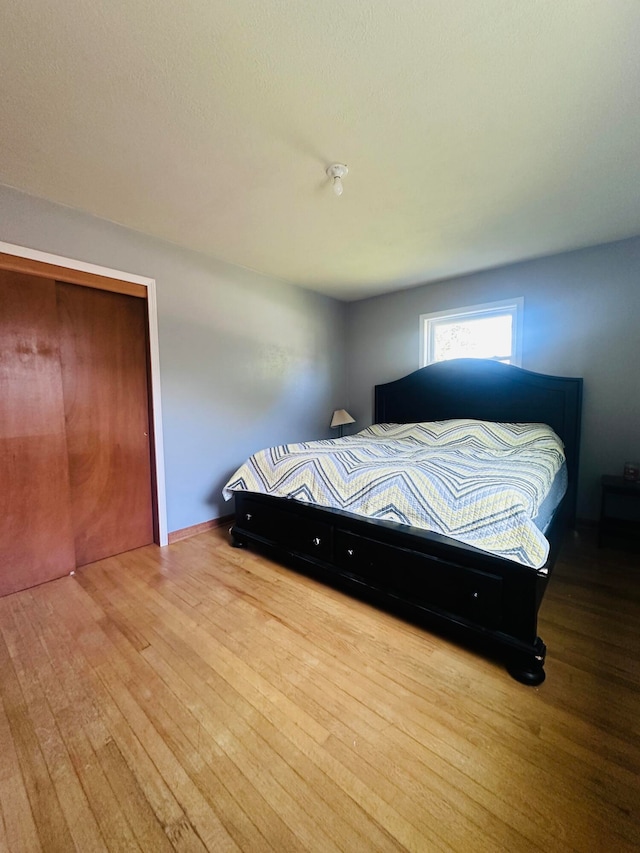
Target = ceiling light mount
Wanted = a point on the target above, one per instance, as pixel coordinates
(337, 172)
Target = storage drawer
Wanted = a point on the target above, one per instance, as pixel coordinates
(312, 538)
(421, 579)
(305, 536)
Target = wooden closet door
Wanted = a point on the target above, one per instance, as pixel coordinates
(36, 536)
(103, 352)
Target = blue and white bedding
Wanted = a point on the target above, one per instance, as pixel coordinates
(478, 482)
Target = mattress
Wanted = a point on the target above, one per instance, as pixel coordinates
(493, 486)
(550, 504)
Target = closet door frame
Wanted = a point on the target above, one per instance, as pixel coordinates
(90, 275)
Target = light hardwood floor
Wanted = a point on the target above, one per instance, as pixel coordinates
(204, 698)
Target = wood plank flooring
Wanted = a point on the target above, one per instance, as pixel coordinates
(199, 698)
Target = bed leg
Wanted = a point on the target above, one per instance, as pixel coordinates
(528, 668)
(235, 541)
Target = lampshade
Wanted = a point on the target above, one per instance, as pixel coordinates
(341, 417)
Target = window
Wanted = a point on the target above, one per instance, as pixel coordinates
(493, 330)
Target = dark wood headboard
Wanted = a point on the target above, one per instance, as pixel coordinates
(487, 391)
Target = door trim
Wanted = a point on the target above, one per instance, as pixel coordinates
(154, 354)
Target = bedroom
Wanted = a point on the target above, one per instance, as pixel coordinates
(248, 361)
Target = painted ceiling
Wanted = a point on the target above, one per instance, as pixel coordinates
(476, 132)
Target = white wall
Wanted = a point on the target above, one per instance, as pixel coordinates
(245, 361)
(581, 318)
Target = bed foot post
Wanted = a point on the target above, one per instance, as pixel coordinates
(528, 668)
(235, 541)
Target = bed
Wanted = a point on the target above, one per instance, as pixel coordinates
(486, 600)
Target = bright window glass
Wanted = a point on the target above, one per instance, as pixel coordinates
(481, 331)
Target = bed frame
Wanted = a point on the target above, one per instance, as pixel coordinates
(487, 601)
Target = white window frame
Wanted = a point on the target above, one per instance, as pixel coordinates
(515, 307)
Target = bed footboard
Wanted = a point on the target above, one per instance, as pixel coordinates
(489, 602)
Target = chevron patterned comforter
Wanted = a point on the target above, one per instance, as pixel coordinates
(478, 482)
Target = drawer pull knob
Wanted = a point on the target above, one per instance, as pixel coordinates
(316, 541)
(248, 516)
(350, 552)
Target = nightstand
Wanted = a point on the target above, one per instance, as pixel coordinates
(619, 513)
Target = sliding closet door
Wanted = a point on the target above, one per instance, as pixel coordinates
(36, 536)
(103, 351)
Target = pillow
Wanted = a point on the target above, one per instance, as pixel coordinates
(462, 432)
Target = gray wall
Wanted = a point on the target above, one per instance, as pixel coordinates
(581, 318)
(245, 361)
(248, 362)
